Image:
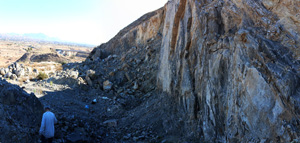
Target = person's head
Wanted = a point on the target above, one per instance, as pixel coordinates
(47, 108)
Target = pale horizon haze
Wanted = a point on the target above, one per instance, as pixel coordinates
(81, 21)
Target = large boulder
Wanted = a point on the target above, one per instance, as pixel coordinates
(8, 75)
(20, 72)
(13, 77)
(6, 70)
(20, 114)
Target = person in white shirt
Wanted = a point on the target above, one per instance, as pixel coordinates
(47, 126)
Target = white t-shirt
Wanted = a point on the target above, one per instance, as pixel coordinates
(47, 125)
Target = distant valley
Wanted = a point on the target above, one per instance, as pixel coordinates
(13, 48)
(39, 37)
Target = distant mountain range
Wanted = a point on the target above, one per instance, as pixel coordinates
(38, 37)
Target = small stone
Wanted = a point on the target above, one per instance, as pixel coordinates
(111, 123)
(136, 86)
(125, 66)
(128, 76)
(13, 77)
(35, 71)
(94, 101)
(74, 74)
(107, 85)
(89, 81)
(90, 73)
(20, 72)
(112, 73)
(105, 98)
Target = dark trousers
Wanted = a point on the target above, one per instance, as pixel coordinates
(46, 140)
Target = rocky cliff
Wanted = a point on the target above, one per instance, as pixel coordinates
(232, 66)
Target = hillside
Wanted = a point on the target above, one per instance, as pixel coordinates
(232, 67)
(191, 71)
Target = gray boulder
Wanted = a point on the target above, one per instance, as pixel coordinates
(17, 66)
(2, 71)
(74, 74)
(90, 73)
(13, 77)
(20, 72)
(8, 75)
(6, 70)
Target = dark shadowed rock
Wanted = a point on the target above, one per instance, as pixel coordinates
(20, 114)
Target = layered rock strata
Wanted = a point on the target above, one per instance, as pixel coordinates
(234, 67)
(231, 65)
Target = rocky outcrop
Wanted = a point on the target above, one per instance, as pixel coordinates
(20, 114)
(234, 68)
(48, 57)
(13, 71)
(231, 65)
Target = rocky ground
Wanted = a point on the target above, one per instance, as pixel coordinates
(99, 101)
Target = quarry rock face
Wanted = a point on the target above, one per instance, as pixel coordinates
(20, 114)
(234, 67)
(231, 65)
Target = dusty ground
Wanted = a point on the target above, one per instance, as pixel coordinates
(10, 51)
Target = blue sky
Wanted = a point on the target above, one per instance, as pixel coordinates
(83, 21)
